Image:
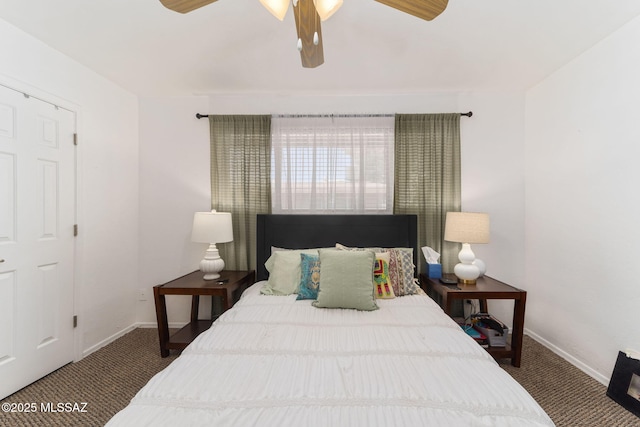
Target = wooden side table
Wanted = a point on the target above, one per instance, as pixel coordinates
(229, 287)
(486, 288)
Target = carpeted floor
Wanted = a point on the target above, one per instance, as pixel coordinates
(570, 397)
(107, 379)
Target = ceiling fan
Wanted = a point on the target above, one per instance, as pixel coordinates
(309, 13)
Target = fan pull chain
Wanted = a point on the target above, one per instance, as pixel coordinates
(299, 39)
(315, 21)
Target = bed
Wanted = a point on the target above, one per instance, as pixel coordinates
(276, 360)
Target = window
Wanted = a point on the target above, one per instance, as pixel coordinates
(332, 164)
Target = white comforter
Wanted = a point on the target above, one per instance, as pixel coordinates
(275, 361)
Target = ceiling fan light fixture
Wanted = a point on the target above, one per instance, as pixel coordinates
(278, 8)
(326, 8)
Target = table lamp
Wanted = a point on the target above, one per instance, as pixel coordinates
(467, 228)
(212, 227)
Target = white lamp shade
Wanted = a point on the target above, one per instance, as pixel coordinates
(326, 8)
(212, 227)
(278, 8)
(466, 227)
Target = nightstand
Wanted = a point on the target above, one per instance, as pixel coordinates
(485, 288)
(234, 283)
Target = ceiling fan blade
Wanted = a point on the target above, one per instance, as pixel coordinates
(307, 23)
(184, 6)
(424, 9)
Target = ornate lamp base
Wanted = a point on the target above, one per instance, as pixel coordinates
(211, 265)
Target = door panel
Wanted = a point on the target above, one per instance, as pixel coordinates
(7, 316)
(7, 120)
(37, 214)
(47, 198)
(49, 314)
(7, 197)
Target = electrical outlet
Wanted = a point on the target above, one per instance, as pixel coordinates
(142, 294)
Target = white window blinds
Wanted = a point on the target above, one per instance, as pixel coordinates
(332, 164)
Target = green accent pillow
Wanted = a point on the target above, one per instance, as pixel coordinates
(346, 280)
(401, 268)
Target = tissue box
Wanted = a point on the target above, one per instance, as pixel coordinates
(434, 271)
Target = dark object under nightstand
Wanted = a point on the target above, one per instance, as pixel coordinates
(235, 282)
(485, 288)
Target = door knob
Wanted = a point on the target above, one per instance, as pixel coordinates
(1, 261)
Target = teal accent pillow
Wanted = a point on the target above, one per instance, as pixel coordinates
(346, 280)
(309, 276)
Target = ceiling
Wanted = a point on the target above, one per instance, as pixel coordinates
(233, 46)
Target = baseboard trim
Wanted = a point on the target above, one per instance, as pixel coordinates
(108, 340)
(112, 338)
(154, 325)
(569, 358)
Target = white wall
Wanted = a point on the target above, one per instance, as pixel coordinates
(174, 183)
(174, 173)
(492, 145)
(107, 248)
(583, 205)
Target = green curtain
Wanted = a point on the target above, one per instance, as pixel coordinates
(240, 181)
(427, 177)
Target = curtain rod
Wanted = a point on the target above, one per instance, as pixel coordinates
(201, 116)
(286, 116)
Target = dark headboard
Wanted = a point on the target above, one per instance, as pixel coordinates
(316, 231)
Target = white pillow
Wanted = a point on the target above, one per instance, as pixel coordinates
(284, 271)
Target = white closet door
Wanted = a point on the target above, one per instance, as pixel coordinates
(37, 216)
